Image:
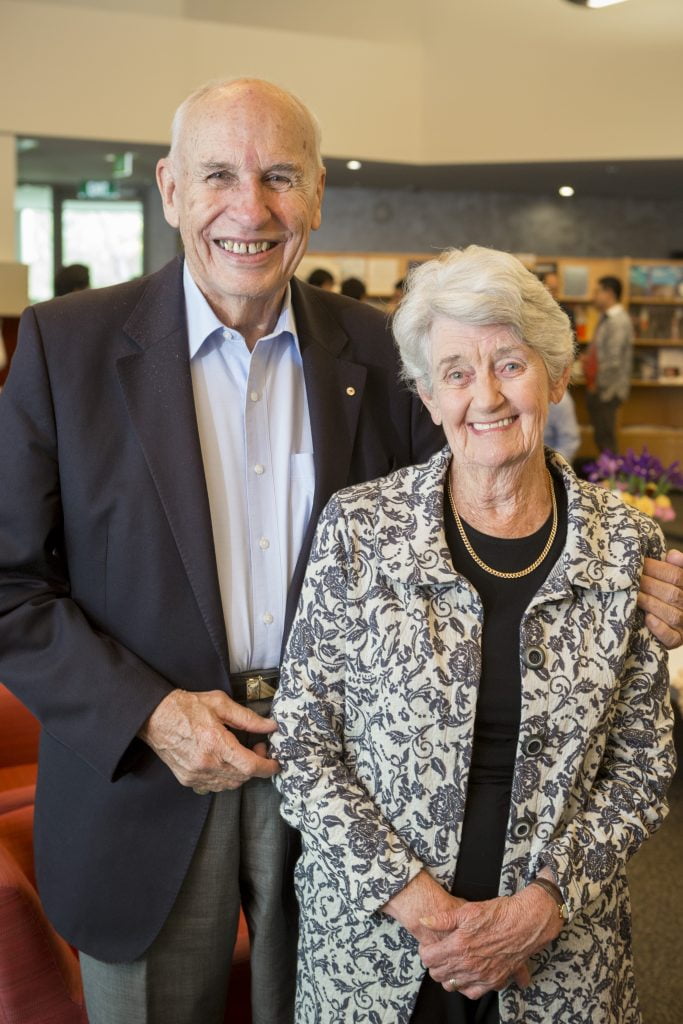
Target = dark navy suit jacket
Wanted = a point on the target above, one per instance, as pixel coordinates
(109, 594)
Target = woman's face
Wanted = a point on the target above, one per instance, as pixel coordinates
(490, 392)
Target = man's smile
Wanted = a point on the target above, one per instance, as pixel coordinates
(244, 248)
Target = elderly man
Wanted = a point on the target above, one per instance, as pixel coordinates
(168, 445)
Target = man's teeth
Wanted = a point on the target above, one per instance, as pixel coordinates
(242, 248)
(492, 426)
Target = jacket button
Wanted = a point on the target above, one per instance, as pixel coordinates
(533, 657)
(522, 828)
(532, 745)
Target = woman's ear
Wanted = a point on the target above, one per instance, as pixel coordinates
(558, 389)
(428, 400)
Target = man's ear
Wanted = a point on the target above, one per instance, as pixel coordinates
(317, 218)
(167, 188)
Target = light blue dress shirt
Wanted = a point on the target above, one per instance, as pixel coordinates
(255, 435)
(562, 431)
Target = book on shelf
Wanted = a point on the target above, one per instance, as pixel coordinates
(656, 281)
(656, 322)
(670, 364)
(645, 364)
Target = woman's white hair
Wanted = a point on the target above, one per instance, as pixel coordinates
(217, 85)
(479, 287)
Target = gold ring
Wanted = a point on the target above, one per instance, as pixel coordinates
(200, 792)
(452, 985)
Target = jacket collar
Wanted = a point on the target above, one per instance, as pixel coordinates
(603, 550)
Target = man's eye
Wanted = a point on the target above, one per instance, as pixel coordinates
(279, 181)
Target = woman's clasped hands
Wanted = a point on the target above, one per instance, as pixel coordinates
(480, 947)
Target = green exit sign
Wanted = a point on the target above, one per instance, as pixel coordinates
(98, 190)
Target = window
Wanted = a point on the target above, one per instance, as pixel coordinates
(33, 207)
(106, 236)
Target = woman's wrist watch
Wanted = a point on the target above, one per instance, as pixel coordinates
(554, 891)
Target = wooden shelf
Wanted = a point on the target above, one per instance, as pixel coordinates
(653, 413)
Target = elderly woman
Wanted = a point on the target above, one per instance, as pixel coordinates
(474, 727)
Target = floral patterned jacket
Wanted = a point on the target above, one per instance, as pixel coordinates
(376, 709)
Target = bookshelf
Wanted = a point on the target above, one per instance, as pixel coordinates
(653, 294)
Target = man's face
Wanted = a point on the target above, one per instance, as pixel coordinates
(603, 298)
(245, 190)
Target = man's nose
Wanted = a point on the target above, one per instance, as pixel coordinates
(249, 204)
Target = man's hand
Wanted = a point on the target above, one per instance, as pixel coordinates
(188, 732)
(482, 947)
(661, 598)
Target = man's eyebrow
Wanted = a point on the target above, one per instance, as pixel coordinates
(208, 166)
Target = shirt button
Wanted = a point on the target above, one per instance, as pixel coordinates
(267, 618)
(259, 469)
(264, 543)
(254, 396)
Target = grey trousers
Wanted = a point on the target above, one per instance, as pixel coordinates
(183, 976)
(603, 416)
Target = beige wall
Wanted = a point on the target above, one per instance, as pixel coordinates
(482, 81)
(573, 84)
(77, 72)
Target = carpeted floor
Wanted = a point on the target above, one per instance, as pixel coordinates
(656, 885)
(657, 895)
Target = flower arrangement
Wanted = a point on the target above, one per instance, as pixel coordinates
(641, 480)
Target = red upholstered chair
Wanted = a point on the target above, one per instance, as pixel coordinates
(40, 980)
(19, 732)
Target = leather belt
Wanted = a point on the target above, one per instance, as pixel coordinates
(257, 684)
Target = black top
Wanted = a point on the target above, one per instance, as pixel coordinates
(496, 725)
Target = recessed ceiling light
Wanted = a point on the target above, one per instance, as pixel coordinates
(566, 191)
(596, 3)
(354, 165)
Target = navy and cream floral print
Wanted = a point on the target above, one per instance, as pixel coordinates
(376, 711)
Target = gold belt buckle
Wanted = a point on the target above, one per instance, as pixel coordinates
(259, 689)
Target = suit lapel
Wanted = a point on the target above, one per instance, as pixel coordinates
(157, 386)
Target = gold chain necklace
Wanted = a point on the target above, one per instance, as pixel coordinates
(487, 568)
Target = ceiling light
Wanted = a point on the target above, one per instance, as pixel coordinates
(26, 145)
(596, 3)
(354, 165)
(566, 191)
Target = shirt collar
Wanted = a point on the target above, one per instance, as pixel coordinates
(613, 310)
(202, 322)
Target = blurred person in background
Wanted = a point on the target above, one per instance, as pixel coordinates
(73, 278)
(354, 288)
(321, 278)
